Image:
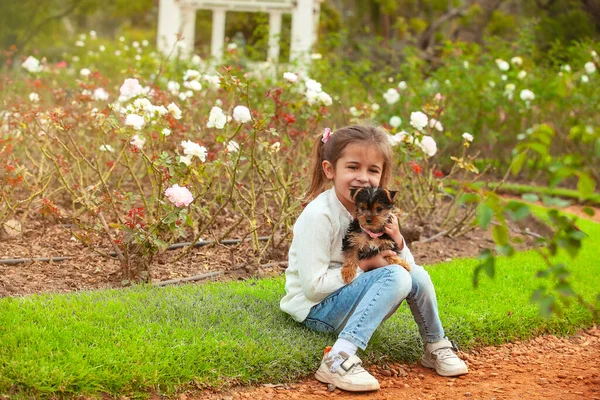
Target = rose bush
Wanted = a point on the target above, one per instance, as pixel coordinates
(143, 151)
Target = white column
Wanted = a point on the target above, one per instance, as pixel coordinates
(274, 35)
(169, 22)
(218, 32)
(302, 31)
(317, 14)
(188, 31)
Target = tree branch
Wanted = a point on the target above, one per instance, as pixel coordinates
(427, 36)
(33, 32)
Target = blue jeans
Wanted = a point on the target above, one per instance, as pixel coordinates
(357, 309)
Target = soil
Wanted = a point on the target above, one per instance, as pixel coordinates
(545, 368)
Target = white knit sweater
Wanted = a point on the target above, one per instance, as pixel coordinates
(315, 256)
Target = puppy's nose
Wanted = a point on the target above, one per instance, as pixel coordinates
(368, 220)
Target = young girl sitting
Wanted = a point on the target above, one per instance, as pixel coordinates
(353, 157)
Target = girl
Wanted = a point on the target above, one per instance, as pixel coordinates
(352, 157)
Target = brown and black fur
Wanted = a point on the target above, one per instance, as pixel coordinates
(373, 210)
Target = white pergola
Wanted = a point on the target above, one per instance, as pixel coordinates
(179, 17)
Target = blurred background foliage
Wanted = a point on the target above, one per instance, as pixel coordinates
(346, 27)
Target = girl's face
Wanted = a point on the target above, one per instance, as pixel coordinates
(359, 166)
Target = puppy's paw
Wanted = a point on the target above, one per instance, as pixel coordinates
(398, 260)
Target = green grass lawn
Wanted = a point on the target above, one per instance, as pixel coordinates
(147, 338)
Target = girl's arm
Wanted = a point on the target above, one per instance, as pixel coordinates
(312, 248)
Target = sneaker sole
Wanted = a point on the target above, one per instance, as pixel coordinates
(457, 372)
(324, 378)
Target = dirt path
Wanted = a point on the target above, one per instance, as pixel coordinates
(544, 368)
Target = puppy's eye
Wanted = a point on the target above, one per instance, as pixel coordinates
(379, 209)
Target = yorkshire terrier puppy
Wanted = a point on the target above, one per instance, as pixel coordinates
(366, 235)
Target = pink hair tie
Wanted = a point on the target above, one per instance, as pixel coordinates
(326, 135)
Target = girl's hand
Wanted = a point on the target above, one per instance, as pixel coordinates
(393, 230)
(377, 261)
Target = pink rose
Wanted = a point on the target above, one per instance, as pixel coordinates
(180, 196)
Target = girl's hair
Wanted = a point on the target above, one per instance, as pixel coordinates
(332, 150)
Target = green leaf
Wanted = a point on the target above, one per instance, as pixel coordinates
(517, 210)
(585, 185)
(505, 250)
(550, 201)
(565, 289)
(588, 211)
(538, 148)
(530, 197)
(484, 215)
(468, 198)
(500, 233)
(161, 244)
(487, 264)
(518, 162)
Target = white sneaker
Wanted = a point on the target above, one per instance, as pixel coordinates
(349, 375)
(441, 357)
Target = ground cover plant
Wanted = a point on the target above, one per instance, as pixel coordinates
(167, 339)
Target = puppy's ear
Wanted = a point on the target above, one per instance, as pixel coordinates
(354, 192)
(392, 195)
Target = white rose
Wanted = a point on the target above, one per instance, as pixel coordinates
(526, 95)
(397, 138)
(131, 88)
(590, 67)
(100, 94)
(241, 114)
(217, 118)
(193, 84)
(32, 64)
(174, 110)
(395, 121)
(585, 78)
(518, 61)
(467, 136)
(137, 142)
(325, 99)
(311, 96)
(166, 132)
(391, 96)
(313, 85)
(503, 65)
(136, 121)
(290, 77)
(522, 75)
(402, 85)
(418, 120)
(194, 149)
(187, 160)
(107, 147)
(428, 145)
(191, 74)
(233, 147)
(34, 97)
(85, 72)
(434, 123)
(173, 87)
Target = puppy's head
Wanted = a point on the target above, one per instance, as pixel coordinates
(373, 207)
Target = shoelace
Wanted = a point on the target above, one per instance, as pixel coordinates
(444, 353)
